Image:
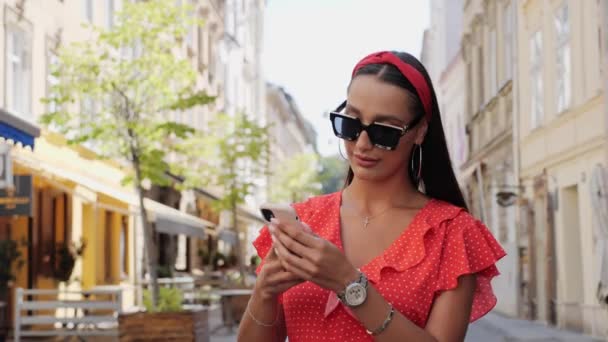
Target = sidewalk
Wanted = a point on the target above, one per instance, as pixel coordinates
(496, 327)
(220, 335)
(491, 328)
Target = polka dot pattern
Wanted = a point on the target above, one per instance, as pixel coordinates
(441, 243)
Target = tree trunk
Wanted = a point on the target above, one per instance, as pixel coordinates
(239, 259)
(149, 245)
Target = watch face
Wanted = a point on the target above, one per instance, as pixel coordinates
(355, 294)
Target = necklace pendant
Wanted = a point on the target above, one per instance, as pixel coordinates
(366, 223)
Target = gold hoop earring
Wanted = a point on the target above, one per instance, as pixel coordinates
(340, 149)
(416, 164)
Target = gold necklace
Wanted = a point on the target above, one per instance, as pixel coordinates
(369, 218)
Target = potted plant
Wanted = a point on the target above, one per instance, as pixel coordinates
(168, 321)
(11, 256)
(66, 254)
(205, 259)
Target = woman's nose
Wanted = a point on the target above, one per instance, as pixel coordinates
(363, 142)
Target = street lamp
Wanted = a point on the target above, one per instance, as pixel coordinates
(507, 195)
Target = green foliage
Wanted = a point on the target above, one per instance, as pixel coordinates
(119, 89)
(333, 173)
(231, 154)
(165, 271)
(169, 300)
(9, 255)
(65, 258)
(255, 260)
(296, 179)
(205, 256)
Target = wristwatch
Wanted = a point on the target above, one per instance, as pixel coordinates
(355, 293)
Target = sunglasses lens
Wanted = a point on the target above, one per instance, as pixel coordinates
(345, 127)
(384, 137)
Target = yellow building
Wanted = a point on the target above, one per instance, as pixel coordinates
(74, 195)
(561, 139)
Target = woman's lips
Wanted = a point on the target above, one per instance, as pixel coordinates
(365, 162)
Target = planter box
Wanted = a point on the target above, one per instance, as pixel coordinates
(165, 326)
(3, 321)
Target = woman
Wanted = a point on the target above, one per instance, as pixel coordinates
(385, 261)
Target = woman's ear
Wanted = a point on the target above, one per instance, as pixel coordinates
(421, 132)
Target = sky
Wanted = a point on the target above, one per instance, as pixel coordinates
(311, 46)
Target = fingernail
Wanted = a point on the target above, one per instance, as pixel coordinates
(272, 228)
(273, 238)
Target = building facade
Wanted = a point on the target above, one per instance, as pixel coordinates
(292, 133)
(442, 57)
(73, 195)
(562, 140)
(488, 175)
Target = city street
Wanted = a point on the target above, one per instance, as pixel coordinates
(492, 328)
(495, 327)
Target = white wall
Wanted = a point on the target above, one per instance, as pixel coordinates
(505, 286)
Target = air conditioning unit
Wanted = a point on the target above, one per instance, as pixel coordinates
(6, 166)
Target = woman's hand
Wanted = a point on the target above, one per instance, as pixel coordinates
(273, 279)
(310, 257)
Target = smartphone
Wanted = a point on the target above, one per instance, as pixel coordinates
(283, 212)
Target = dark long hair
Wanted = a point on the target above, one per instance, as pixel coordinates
(437, 172)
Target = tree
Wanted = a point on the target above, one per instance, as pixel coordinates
(333, 172)
(129, 80)
(296, 179)
(232, 154)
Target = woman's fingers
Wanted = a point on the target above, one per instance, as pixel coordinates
(292, 245)
(295, 264)
(282, 287)
(282, 277)
(303, 234)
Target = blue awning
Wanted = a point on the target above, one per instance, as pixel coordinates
(18, 130)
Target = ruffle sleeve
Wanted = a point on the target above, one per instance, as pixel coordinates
(262, 244)
(470, 248)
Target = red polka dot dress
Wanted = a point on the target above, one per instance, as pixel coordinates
(441, 243)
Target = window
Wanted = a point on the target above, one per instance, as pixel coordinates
(108, 255)
(190, 37)
(51, 80)
(87, 108)
(18, 72)
(536, 79)
(51, 225)
(479, 76)
(563, 68)
(492, 66)
(109, 14)
(123, 249)
(200, 48)
(87, 117)
(469, 80)
(508, 43)
(87, 9)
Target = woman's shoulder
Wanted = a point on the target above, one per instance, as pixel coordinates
(452, 217)
(439, 211)
(318, 202)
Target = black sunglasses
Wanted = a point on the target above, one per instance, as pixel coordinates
(384, 136)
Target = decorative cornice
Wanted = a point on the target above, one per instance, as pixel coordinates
(20, 6)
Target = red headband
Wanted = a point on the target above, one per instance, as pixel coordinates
(408, 71)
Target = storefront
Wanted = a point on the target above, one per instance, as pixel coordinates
(16, 204)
